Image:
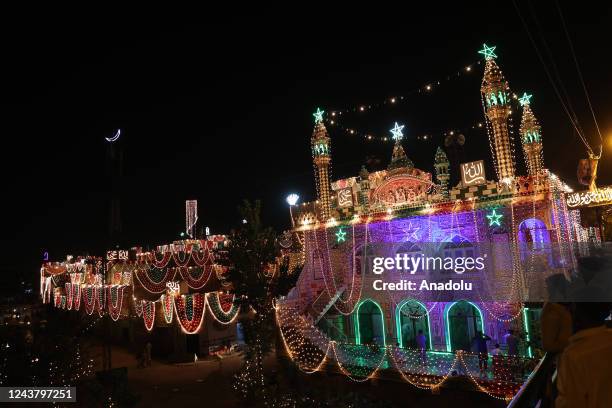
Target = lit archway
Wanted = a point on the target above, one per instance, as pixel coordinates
(369, 323)
(410, 317)
(533, 230)
(533, 237)
(463, 319)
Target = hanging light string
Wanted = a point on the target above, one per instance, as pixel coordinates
(424, 89)
(370, 136)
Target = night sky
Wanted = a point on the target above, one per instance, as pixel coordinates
(217, 106)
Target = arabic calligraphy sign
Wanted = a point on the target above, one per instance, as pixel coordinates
(345, 197)
(114, 255)
(600, 196)
(473, 173)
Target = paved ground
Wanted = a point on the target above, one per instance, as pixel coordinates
(189, 385)
(209, 383)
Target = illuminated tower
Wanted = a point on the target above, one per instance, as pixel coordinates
(495, 92)
(321, 155)
(441, 165)
(399, 159)
(531, 138)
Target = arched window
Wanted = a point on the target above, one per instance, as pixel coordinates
(463, 319)
(411, 316)
(412, 250)
(457, 247)
(369, 323)
(533, 235)
(533, 230)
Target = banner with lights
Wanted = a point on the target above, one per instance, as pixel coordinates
(597, 197)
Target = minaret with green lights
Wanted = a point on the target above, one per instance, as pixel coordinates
(531, 138)
(495, 94)
(321, 155)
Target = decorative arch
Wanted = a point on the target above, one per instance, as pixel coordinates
(424, 319)
(533, 236)
(369, 322)
(476, 322)
(533, 230)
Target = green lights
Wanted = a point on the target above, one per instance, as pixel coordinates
(494, 99)
(527, 334)
(318, 115)
(356, 319)
(449, 347)
(340, 235)
(320, 149)
(488, 52)
(532, 137)
(398, 321)
(495, 218)
(524, 100)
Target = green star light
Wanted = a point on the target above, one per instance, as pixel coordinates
(488, 52)
(524, 100)
(341, 235)
(495, 218)
(318, 115)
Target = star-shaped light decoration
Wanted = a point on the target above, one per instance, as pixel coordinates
(524, 100)
(488, 52)
(340, 235)
(494, 218)
(318, 115)
(397, 132)
(412, 232)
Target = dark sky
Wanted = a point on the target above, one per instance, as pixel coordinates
(217, 106)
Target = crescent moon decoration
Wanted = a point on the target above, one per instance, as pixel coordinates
(115, 137)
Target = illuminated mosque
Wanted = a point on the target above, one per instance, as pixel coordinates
(522, 221)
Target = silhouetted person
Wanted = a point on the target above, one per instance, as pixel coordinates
(512, 342)
(421, 342)
(556, 323)
(585, 368)
(147, 354)
(479, 344)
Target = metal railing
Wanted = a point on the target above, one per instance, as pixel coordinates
(532, 392)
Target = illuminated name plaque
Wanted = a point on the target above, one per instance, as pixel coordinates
(473, 173)
(345, 197)
(601, 196)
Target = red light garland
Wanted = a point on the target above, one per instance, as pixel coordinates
(115, 301)
(89, 296)
(167, 302)
(200, 281)
(148, 314)
(153, 285)
(190, 311)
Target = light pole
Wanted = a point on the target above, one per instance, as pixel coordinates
(292, 200)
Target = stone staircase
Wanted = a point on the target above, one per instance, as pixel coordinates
(323, 303)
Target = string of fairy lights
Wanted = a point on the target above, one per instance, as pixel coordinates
(312, 351)
(188, 308)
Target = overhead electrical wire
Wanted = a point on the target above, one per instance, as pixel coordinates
(565, 104)
(586, 92)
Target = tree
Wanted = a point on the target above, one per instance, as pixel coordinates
(259, 276)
